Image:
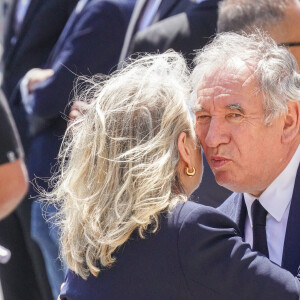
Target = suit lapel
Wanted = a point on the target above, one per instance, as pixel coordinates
(240, 213)
(163, 9)
(135, 18)
(65, 34)
(136, 15)
(9, 29)
(9, 24)
(291, 250)
(235, 208)
(33, 6)
(131, 30)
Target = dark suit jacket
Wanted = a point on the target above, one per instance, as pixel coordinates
(92, 45)
(235, 208)
(166, 9)
(184, 32)
(196, 254)
(41, 27)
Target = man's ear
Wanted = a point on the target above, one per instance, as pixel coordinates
(184, 149)
(291, 122)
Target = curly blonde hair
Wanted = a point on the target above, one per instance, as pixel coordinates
(118, 161)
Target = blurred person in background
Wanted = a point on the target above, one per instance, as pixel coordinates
(30, 32)
(146, 13)
(90, 43)
(280, 19)
(28, 40)
(184, 32)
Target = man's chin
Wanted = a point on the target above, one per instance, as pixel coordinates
(227, 182)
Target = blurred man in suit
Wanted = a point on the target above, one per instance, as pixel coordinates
(146, 13)
(280, 19)
(90, 43)
(185, 32)
(29, 37)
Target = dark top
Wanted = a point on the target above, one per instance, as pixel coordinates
(196, 254)
(90, 44)
(10, 147)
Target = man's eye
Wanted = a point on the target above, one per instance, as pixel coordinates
(234, 115)
(203, 118)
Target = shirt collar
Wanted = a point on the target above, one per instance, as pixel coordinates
(278, 195)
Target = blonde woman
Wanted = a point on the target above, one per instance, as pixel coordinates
(128, 167)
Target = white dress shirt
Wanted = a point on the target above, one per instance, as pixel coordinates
(276, 200)
(149, 13)
(21, 9)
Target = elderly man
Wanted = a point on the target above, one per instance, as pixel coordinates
(281, 20)
(247, 118)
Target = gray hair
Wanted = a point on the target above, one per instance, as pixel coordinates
(244, 15)
(274, 67)
(118, 161)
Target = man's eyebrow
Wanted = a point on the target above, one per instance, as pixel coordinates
(235, 106)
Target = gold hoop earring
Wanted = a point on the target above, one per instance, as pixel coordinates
(188, 173)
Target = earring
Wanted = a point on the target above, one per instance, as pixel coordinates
(188, 173)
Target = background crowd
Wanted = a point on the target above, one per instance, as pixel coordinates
(47, 44)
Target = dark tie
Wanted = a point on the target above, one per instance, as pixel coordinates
(259, 228)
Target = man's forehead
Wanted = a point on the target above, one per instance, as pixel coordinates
(234, 77)
(227, 83)
(235, 69)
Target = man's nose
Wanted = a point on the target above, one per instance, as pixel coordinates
(217, 133)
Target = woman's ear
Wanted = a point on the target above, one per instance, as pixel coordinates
(184, 149)
(189, 168)
(291, 122)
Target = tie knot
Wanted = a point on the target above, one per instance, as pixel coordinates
(258, 214)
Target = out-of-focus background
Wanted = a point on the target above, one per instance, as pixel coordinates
(1, 32)
(3, 4)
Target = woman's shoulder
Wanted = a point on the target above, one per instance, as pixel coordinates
(194, 213)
